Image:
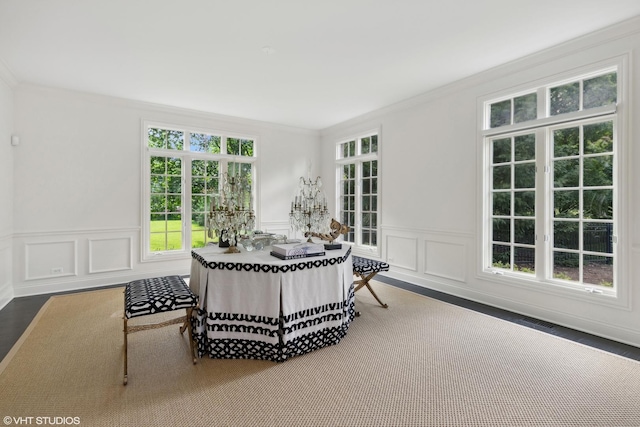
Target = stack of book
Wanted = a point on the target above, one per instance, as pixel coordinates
(297, 250)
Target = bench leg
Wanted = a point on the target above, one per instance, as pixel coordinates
(125, 380)
(187, 325)
(364, 281)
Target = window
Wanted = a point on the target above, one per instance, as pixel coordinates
(357, 167)
(550, 175)
(183, 173)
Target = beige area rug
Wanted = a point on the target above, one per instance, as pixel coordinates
(421, 362)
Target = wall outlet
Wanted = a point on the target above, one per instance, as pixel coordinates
(57, 270)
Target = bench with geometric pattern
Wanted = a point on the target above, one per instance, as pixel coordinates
(365, 269)
(156, 295)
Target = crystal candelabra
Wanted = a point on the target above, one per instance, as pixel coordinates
(231, 211)
(309, 211)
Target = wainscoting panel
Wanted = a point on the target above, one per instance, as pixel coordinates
(110, 254)
(45, 260)
(402, 252)
(445, 259)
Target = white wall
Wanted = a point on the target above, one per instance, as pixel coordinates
(77, 185)
(6, 189)
(430, 188)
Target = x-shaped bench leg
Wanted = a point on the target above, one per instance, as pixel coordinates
(364, 281)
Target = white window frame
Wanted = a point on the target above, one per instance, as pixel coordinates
(358, 159)
(543, 281)
(187, 157)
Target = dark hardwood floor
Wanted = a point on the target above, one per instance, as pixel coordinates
(16, 316)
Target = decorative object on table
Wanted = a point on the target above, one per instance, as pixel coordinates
(297, 250)
(231, 212)
(336, 230)
(309, 210)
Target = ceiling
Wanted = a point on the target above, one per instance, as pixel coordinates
(309, 64)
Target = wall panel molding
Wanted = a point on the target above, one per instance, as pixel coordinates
(50, 259)
(110, 254)
(402, 251)
(445, 259)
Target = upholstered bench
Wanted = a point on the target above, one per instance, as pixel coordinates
(365, 269)
(157, 295)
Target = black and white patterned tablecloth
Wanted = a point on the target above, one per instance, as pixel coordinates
(256, 306)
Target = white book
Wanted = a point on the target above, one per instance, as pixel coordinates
(298, 249)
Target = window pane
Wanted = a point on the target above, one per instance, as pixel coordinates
(198, 233)
(566, 173)
(198, 203)
(525, 108)
(502, 150)
(500, 114)
(365, 237)
(566, 204)
(365, 147)
(174, 184)
(167, 139)
(598, 171)
(366, 169)
(158, 203)
(203, 143)
(501, 256)
(600, 91)
(524, 260)
(501, 177)
(501, 230)
(525, 175)
(598, 270)
(597, 237)
(366, 220)
(366, 186)
(158, 184)
(525, 147)
(366, 203)
(501, 203)
(246, 147)
(524, 203)
(598, 138)
(564, 99)
(598, 204)
(566, 142)
(233, 146)
(158, 165)
(197, 186)
(566, 266)
(174, 166)
(374, 143)
(566, 235)
(525, 231)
